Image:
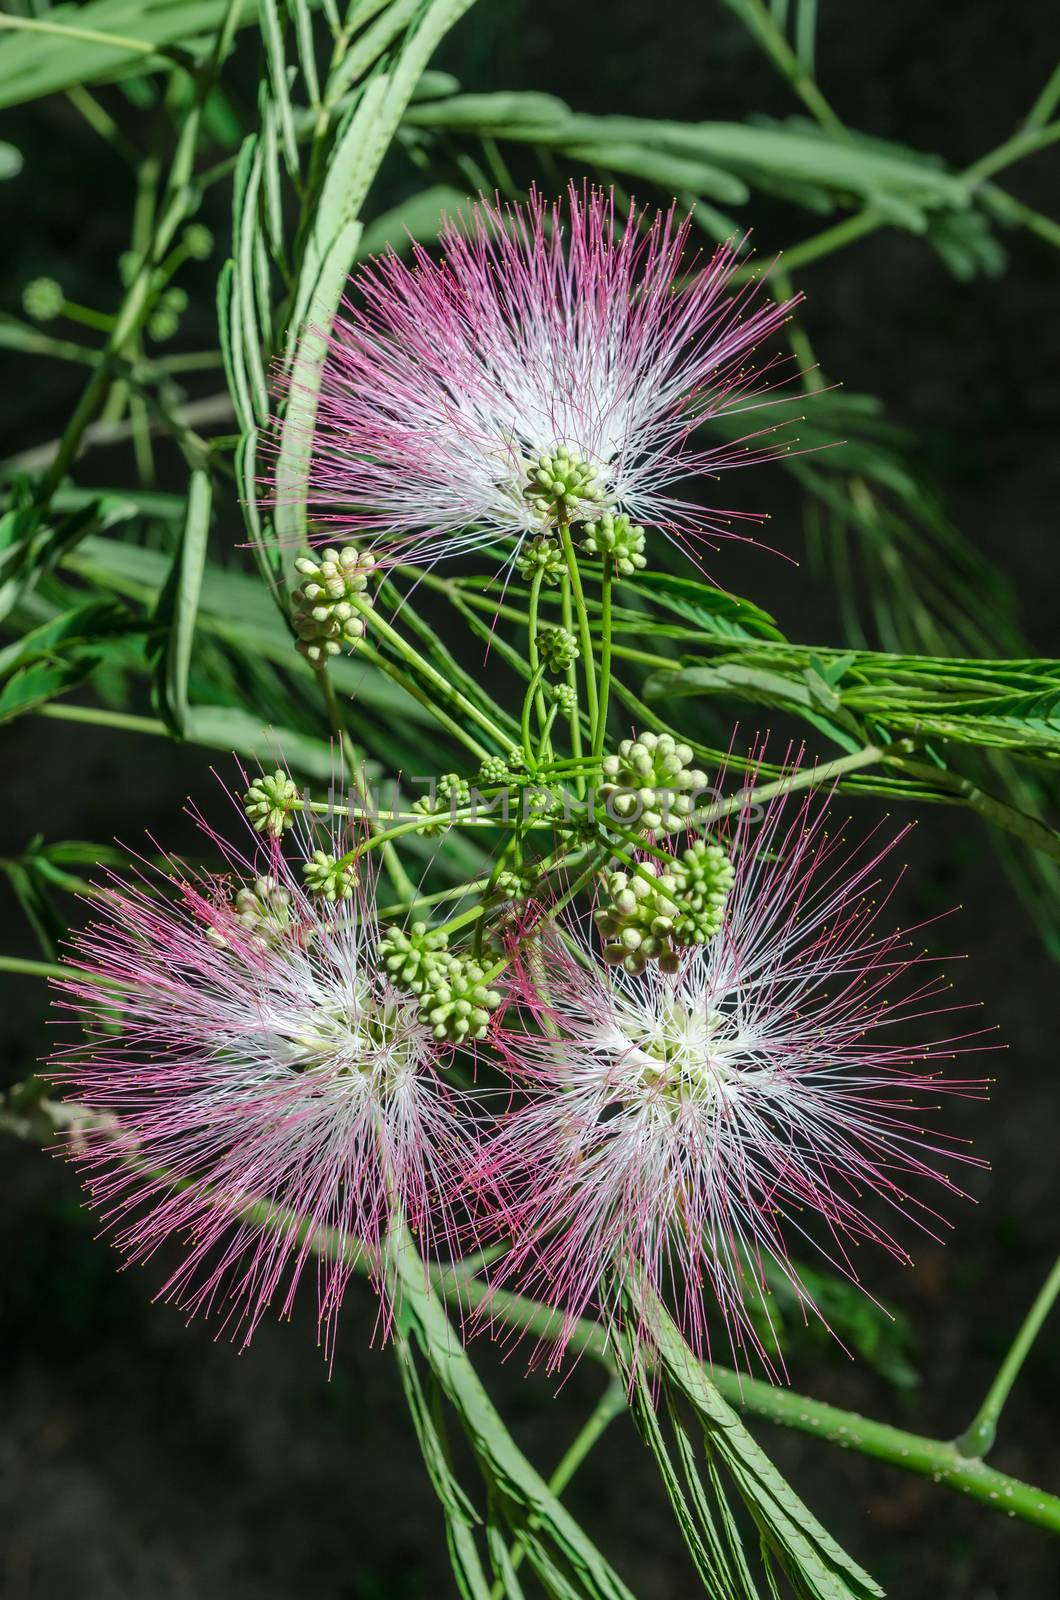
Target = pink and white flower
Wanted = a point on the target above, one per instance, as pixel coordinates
(680, 1128)
(261, 1095)
(541, 329)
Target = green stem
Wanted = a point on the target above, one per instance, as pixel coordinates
(1012, 210)
(760, 24)
(820, 244)
(536, 669)
(574, 717)
(441, 685)
(610, 1405)
(584, 633)
(181, 199)
(1030, 829)
(50, 969)
(1022, 144)
(533, 695)
(977, 1440)
(113, 41)
(1046, 103)
(600, 724)
(401, 908)
(403, 884)
(101, 717)
(32, 969)
(807, 778)
(456, 1285)
(419, 694)
(928, 1458)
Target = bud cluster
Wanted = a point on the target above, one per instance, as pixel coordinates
(661, 908)
(651, 782)
(262, 910)
(558, 481)
(325, 616)
(329, 876)
(455, 1000)
(557, 648)
(271, 802)
(450, 793)
(495, 772)
(542, 555)
(619, 538)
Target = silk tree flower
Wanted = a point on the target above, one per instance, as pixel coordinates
(552, 365)
(261, 1094)
(681, 1130)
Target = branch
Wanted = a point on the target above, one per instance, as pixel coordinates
(977, 1440)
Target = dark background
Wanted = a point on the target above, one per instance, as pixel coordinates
(138, 1457)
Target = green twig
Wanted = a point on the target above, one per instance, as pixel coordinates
(610, 1405)
(927, 1458)
(977, 1440)
(600, 725)
(760, 24)
(584, 634)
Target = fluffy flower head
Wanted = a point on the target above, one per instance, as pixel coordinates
(683, 1128)
(263, 1094)
(550, 366)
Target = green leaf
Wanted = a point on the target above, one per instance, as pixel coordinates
(565, 1559)
(362, 142)
(281, 97)
(461, 1518)
(508, 110)
(670, 172)
(36, 904)
(717, 611)
(35, 686)
(817, 1566)
(248, 340)
(101, 40)
(761, 687)
(237, 731)
(189, 565)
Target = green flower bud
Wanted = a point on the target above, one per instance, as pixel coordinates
(43, 299)
(329, 877)
(565, 696)
(704, 875)
(637, 918)
(650, 783)
(271, 802)
(324, 615)
(263, 911)
(510, 886)
(459, 1005)
(617, 537)
(454, 998)
(557, 648)
(409, 955)
(663, 907)
(198, 241)
(451, 792)
(542, 555)
(163, 323)
(494, 772)
(558, 482)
